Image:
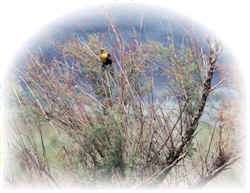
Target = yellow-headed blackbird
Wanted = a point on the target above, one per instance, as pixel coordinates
(105, 58)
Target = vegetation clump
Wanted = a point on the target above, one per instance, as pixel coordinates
(151, 122)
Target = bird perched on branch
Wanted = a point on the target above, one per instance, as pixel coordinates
(105, 58)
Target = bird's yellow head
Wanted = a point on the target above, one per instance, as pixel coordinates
(103, 55)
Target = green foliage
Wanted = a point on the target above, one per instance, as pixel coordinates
(192, 150)
(113, 158)
(98, 131)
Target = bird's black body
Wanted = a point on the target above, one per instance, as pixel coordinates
(107, 63)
